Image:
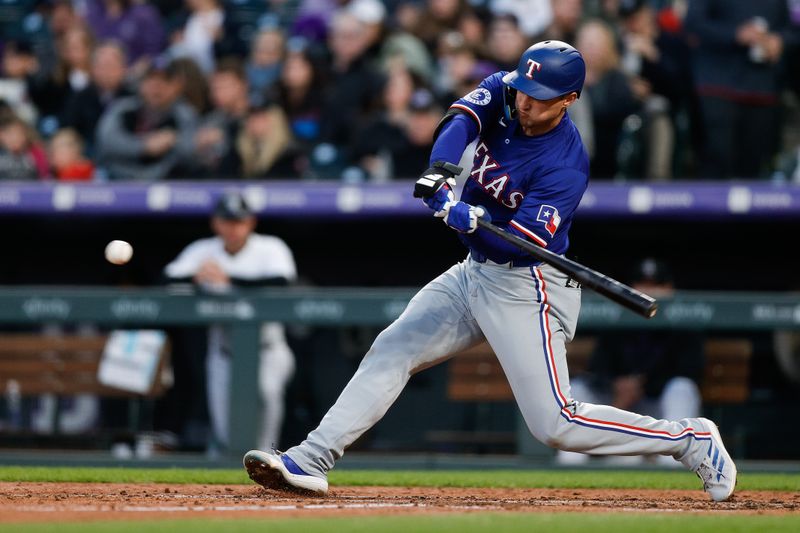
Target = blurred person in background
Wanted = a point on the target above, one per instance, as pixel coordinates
(66, 157)
(214, 142)
(148, 137)
(372, 14)
(609, 92)
(196, 38)
(137, 25)
(438, 17)
(234, 259)
(473, 29)
(18, 62)
(84, 108)
(659, 66)
(738, 50)
(194, 83)
(506, 41)
(566, 19)
(653, 372)
(37, 24)
(265, 62)
(50, 91)
(456, 61)
(21, 156)
(354, 84)
(245, 19)
(297, 93)
(534, 16)
(380, 146)
(264, 144)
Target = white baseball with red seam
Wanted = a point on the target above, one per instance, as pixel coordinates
(118, 252)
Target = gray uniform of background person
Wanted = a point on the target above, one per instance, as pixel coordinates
(527, 314)
(264, 260)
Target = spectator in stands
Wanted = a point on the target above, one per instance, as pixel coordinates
(215, 140)
(38, 25)
(653, 372)
(439, 16)
(371, 14)
(381, 145)
(298, 94)
(66, 157)
(265, 63)
(473, 29)
(738, 49)
(148, 137)
(659, 66)
(21, 155)
(506, 41)
(196, 39)
(84, 108)
(354, 85)
(19, 61)
(234, 259)
(264, 145)
(567, 15)
(136, 25)
(608, 91)
(195, 85)
(534, 16)
(457, 60)
(50, 91)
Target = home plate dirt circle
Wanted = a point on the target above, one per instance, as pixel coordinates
(44, 502)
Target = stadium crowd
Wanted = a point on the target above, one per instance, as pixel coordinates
(354, 89)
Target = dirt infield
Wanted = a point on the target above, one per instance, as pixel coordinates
(43, 502)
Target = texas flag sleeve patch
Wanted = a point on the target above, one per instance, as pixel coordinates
(548, 215)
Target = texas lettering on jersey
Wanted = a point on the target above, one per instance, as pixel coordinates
(494, 185)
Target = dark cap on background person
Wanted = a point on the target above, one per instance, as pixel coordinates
(232, 206)
(628, 8)
(161, 66)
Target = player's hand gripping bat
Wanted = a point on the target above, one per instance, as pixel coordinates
(610, 288)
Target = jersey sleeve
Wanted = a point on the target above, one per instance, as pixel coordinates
(546, 212)
(484, 103)
(188, 261)
(281, 261)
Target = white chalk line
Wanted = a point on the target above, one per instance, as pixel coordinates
(215, 508)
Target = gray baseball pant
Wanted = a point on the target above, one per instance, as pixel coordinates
(527, 314)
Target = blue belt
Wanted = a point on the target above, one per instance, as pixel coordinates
(480, 258)
(516, 263)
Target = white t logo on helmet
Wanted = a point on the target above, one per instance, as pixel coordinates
(533, 66)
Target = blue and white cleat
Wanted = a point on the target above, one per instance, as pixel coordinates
(714, 467)
(276, 470)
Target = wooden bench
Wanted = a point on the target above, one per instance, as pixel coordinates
(67, 365)
(475, 375)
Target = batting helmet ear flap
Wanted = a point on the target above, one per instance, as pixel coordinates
(509, 102)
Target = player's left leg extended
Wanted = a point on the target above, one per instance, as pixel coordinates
(528, 315)
(436, 324)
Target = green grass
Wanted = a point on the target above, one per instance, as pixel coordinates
(466, 523)
(625, 479)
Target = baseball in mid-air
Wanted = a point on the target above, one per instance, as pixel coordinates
(118, 252)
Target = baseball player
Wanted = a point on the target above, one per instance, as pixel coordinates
(238, 257)
(529, 173)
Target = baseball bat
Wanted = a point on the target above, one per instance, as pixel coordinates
(612, 289)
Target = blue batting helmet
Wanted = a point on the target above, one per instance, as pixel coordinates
(547, 70)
